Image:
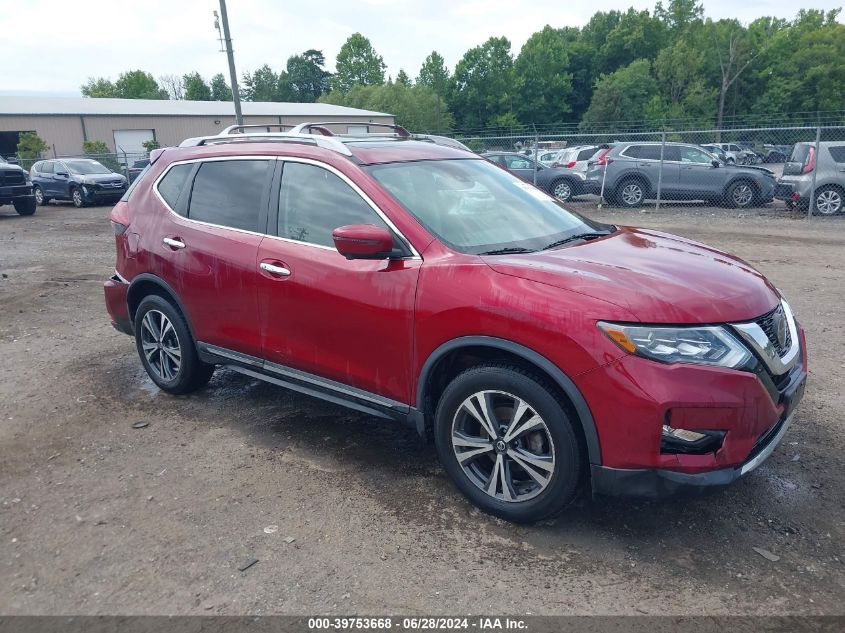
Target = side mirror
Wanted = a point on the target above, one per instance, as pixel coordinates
(363, 241)
(715, 163)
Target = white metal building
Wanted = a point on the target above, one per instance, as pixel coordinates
(124, 124)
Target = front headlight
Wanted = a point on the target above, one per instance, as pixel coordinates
(710, 345)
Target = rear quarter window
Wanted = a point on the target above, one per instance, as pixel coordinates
(838, 153)
(170, 187)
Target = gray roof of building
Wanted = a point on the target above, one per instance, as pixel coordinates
(155, 107)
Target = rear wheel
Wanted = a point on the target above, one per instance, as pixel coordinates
(507, 443)
(25, 207)
(630, 193)
(40, 200)
(167, 349)
(829, 201)
(562, 190)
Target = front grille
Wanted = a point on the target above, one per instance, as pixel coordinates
(12, 177)
(770, 323)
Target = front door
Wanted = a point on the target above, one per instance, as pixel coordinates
(349, 321)
(698, 177)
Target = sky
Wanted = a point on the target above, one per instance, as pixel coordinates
(52, 46)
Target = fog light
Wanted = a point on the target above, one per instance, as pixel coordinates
(684, 441)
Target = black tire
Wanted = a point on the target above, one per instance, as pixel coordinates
(25, 207)
(40, 199)
(76, 197)
(191, 373)
(730, 161)
(556, 440)
(830, 200)
(562, 189)
(625, 193)
(741, 194)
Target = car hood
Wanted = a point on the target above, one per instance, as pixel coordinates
(658, 277)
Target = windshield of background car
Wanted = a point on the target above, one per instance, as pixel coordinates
(83, 167)
(474, 207)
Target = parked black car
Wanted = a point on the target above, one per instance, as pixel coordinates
(81, 180)
(137, 167)
(16, 188)
(561, 183)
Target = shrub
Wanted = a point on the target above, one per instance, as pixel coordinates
(99, 151)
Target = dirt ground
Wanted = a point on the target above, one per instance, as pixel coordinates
(99, 518)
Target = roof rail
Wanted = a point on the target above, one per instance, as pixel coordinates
(234, 129)
(305, 128)
(280, 137)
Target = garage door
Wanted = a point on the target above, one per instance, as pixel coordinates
(132, 141)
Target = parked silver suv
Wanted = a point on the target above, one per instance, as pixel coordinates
(830, 180)
(629, 173)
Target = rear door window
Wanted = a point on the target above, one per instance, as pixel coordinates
(230, 193)
(46, 168)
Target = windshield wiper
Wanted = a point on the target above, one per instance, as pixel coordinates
(509, 250)
(572, 238)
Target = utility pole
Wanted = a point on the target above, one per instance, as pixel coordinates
(233, 75)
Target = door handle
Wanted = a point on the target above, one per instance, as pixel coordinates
(281, 271)
(173, 243)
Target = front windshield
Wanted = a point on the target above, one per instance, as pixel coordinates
(475, 207)
(83, 167)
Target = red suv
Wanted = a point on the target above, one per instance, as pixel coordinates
(408, 280)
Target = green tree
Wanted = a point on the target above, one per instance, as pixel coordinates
(137, 84)
(99, 88)
(483, 84)
(679, 14)
(304, 78)
(195, 87)
(544, 83)
(402, 78)
(622, 95)
(151, 145)
(735, 51)
(220, 90)
(637, 35)
(261, 85)
(30, 146)
(417, 107)
(357, 64)
(99, 151)
(434, 74)
(682, 80)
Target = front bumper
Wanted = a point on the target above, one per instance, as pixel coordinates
(658, 483)
(16, 193)
(94, 193)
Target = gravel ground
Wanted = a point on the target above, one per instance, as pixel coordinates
(99, 518)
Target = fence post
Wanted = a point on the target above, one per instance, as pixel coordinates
(660, 171)
(812, 206)
(536, 152)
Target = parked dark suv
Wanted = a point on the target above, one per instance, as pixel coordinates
(83, 181)
(16, 188)
(407, 280)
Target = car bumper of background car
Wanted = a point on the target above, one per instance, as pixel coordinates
(116, 289)
(633, 398)
(96, 193)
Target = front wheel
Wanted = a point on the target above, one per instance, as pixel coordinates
(167, 348)
(507, 443)
(76, 197)
(25, 207)
(741, 195)
(40, 200)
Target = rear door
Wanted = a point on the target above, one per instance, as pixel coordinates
(45, 178)
(348, 321)
(521, 166)
(207, 247)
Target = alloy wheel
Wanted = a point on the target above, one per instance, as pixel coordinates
(632, 194)
(39, 196)
(160, 345)
(503, 446)
(829, 202)
(562, 191)
(743, 195)
(77, 198)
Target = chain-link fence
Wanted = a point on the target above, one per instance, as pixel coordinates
(124, 163)
(800, 167)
